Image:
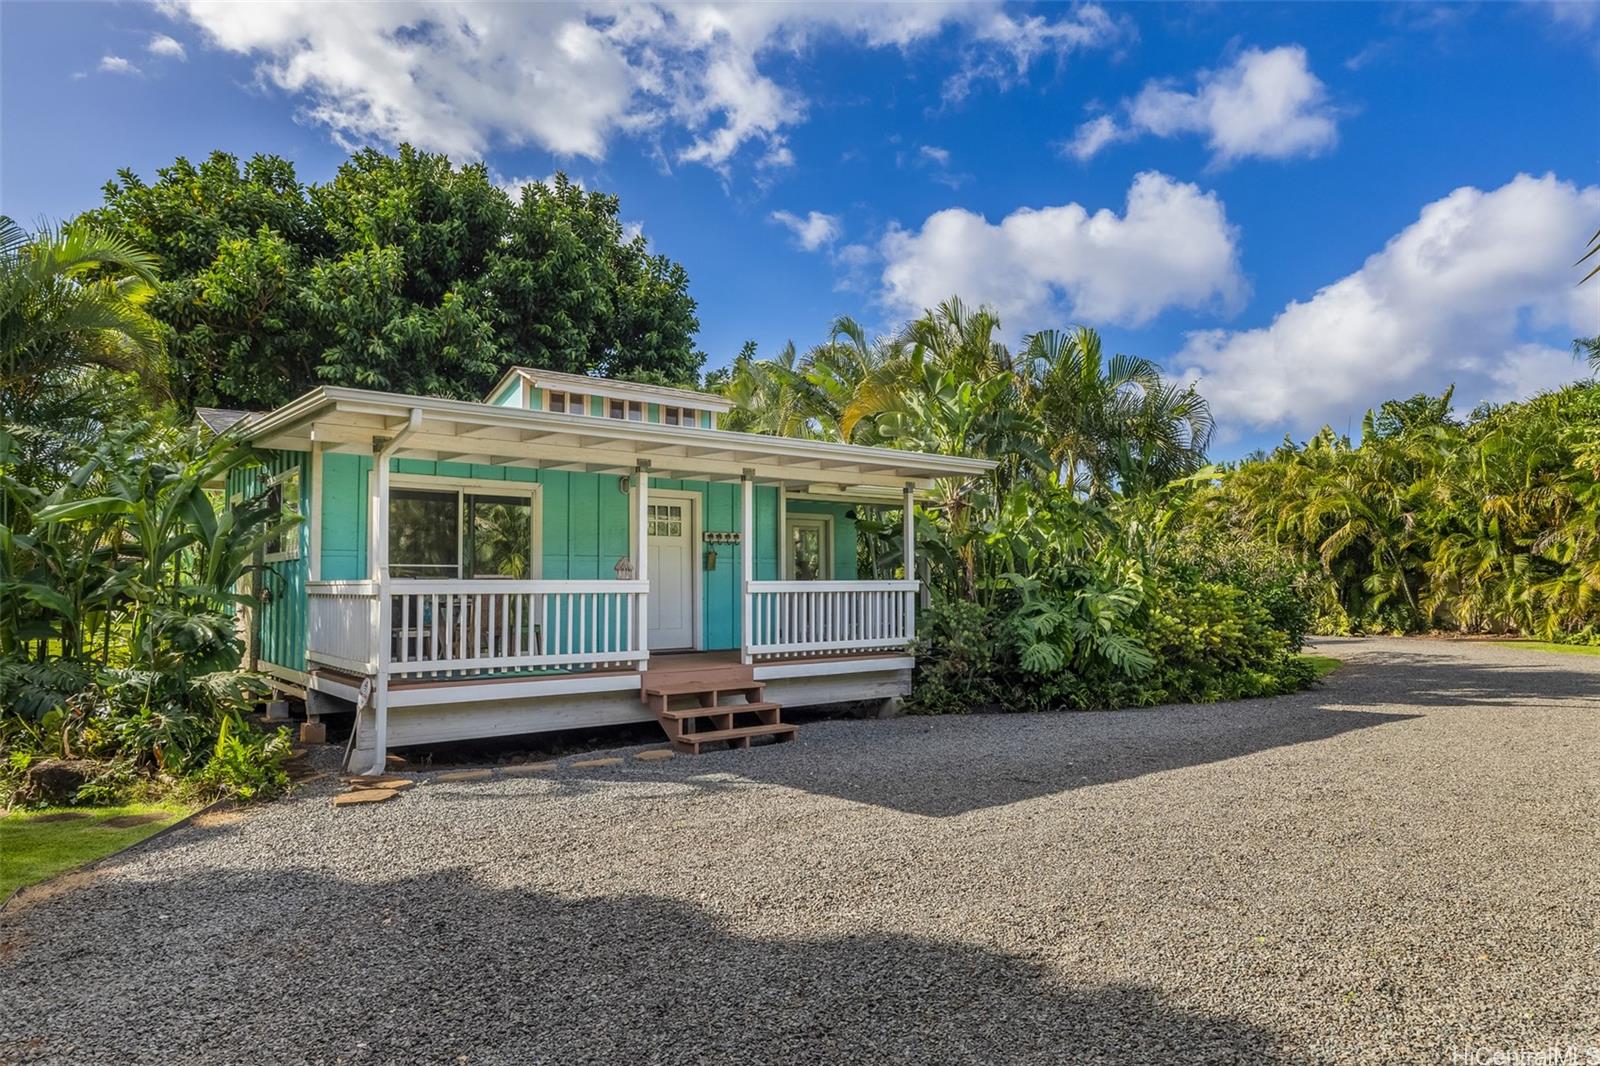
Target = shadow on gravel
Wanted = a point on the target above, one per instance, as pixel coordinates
(949, 766)
(1424, 680)
(941, 767)
(442, 969)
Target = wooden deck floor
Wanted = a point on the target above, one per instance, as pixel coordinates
(663, 666)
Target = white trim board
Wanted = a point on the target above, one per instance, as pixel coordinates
(778, 671)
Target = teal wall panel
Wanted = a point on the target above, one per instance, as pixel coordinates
(510, 395)
(586, 527)
(344, 517)
(281, 616)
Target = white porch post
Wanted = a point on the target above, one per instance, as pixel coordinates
(640, 547)
(909, 550)
(314, 511)
(378, 574)
(747, 556)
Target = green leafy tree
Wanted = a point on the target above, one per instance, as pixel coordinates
(403, 273)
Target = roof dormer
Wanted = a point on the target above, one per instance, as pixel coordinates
(591, 397)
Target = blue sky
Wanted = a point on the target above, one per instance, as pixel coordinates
(1307, 208)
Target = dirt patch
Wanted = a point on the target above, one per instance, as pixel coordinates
(216, 819)
(59, 816)
(128, 821)
(55, 886)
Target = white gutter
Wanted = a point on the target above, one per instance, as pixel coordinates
(378, 565)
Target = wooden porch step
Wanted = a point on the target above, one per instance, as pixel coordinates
(678, 714)
(695, 686)
(708, 696)
(738, 736)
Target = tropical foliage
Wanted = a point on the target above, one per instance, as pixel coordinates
(1059, 580)
(117, 568)
(1485, 524)
(403, 273)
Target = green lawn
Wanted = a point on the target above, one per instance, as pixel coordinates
(1323, 664)
(1545, 645)
(35, 845)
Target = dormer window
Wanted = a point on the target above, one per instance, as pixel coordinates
(631, 410)
(567, 403)
(680, 416)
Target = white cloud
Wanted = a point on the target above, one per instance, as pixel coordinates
(1005, 46)
(1574, 14)
(1039, 267)
(816, 230)
(1453, 297)
(116, 65)
(162, 45)
(570, 77)
(1094, 135)
(1526, 370)
(935, 162)
(1266, 104)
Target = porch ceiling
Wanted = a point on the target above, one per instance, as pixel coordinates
(466, 432)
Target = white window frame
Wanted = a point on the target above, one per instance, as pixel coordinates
(628, 410)
(480, 486)
(291, 554)
(822, 520)
(572, 403)
(686, 416)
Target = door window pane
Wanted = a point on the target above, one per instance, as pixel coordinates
(808, 552)
(666, 520)
(500, 529)
(424, 529)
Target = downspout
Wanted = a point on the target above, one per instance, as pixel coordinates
(378, 565)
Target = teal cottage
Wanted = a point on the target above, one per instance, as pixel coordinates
(571, 552)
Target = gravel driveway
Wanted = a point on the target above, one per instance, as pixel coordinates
(1395, 866)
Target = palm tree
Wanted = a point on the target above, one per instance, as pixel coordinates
(771, 395)
(1112, 421)
(1589, 347)
(72, 299)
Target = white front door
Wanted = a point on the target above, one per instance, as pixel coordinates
(671, 547)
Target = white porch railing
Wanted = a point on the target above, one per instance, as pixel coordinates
(789, 618)
(479, 627)
(341, 624)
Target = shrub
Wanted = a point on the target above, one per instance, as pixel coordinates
(1218, 642)
(1194, 641)
(245, 763)
(958, 671)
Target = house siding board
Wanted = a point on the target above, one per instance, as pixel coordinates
(510, 395)
(281, 619)
(344, 517)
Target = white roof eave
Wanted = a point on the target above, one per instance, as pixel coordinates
(632, 440)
